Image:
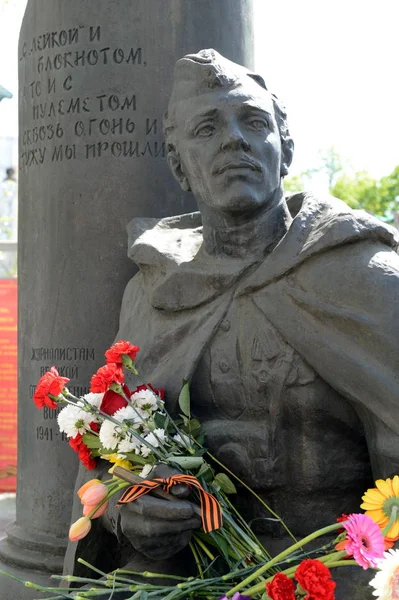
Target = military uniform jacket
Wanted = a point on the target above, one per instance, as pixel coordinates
(319, 313)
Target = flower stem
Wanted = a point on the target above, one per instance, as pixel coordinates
(86, 564)
(342, 563)
(197, 560)
(150, 575)
(333, 557)
(392, 520)
(204, 548)
(282, 555)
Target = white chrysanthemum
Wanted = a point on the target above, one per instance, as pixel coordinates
(94, 399)
(161, 435)
(129, 444)
(152, 439)
(73, 420)
(182, 439)
(110, 435)
(128, 415)
(145, 451)
(145, 402)
(146, 471)
(386, 581)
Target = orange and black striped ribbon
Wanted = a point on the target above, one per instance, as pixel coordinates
(211, 513)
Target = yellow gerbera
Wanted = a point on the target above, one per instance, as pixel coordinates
(382, 505)
(119, 462)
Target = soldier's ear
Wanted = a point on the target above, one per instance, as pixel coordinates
(175, 166)
(287, 154)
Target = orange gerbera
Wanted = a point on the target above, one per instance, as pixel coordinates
(382, 505)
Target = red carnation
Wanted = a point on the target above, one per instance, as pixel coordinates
(75, 442)
(315, 578)
(94, 427)
(341, 519)
(112, 402)
(105, 376)
(281, 588)
(83, 451)
(85, 458)
(158, 391)
(116, 352)
(49, 383)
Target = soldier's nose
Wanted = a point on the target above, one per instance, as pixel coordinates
(234, 140)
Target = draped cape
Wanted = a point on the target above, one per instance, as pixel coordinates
(330, 287)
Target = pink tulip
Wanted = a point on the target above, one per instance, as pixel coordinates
(100, 511)
(79, 529)
(94, 494)
(86, 486)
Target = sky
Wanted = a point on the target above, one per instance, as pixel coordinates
(333, 63)
(335, 66)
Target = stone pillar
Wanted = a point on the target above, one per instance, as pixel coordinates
(94, 82)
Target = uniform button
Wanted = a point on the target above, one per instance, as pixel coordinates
(225, 325)
(224, 365)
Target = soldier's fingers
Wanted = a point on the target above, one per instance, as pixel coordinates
(163, 471)
(151, 507)
(134, 525)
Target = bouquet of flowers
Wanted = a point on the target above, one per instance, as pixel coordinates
(134, 432)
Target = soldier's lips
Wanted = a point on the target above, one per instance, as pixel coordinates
(237, 166)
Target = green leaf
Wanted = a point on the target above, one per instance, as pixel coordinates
(184, 399)
(222, 545)
(136, 459)
(187, 462)
(91, 441)
(225, 483)
(186, 421)
(160, 420)
(192, 426)
(201, 439)
(105, 451)
(200, 452)
(195, 427)
(205, 473)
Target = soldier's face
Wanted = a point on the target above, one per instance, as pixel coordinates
(230, 148)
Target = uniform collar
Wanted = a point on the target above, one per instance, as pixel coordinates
(179, 275)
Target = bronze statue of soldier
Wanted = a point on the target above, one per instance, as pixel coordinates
(282, 314)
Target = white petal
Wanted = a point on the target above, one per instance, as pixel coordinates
(145, 451)
(109, 435)
(73, 420)
(146, 470)
(94, 399)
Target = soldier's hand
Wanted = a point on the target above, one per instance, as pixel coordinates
(159, 528)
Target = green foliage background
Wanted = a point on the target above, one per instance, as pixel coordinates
(358, 189)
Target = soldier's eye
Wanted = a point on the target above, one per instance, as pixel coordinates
(258, 124)
(204, 130)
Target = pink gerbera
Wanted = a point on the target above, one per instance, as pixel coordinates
(365, 540)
